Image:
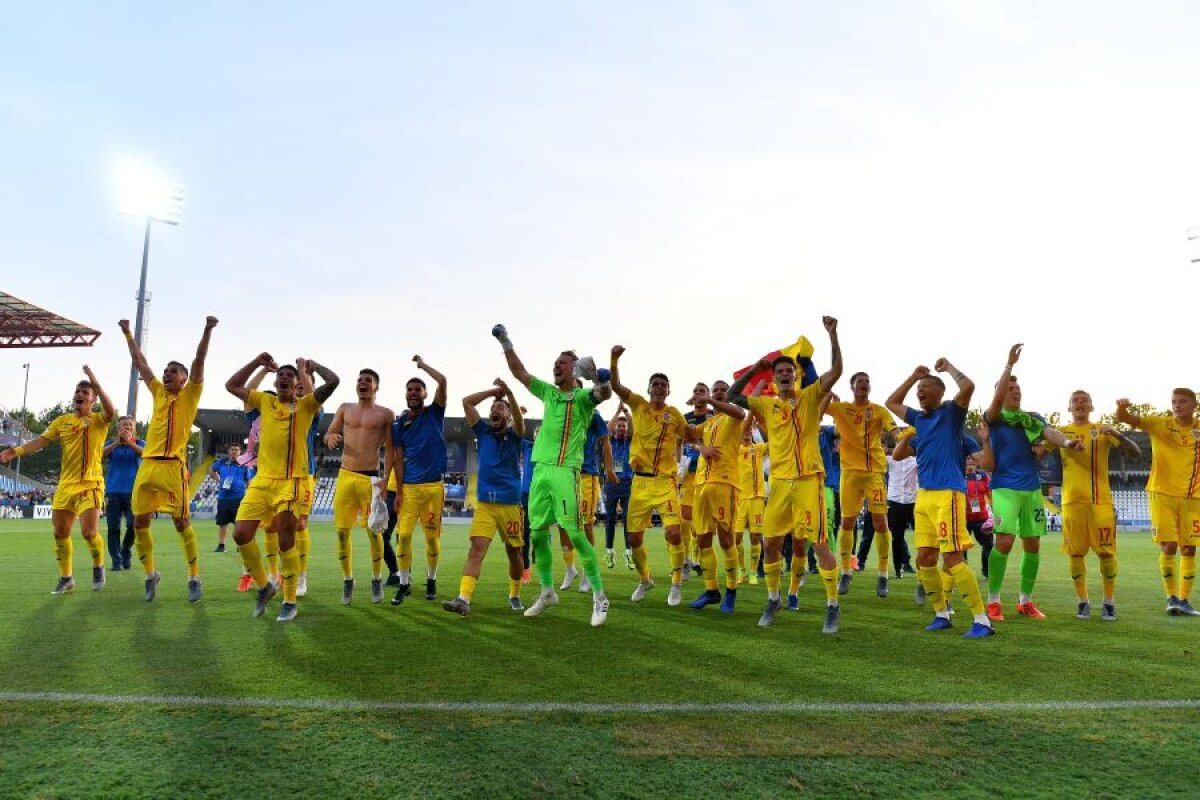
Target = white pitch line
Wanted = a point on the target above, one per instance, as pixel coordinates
(186, 701)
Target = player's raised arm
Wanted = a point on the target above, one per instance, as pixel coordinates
(1124, 442)
(985, 458)
(135, 352)
(304, 375)
(1059, 439)
(105, 402)
(966, 386)
(514, 409)
(724, 406)
(236, 385)
(470, 401)
(1125, 415)
(835, 370)
(621, 389)
(903, 449)
(993, 411)
(620, 409)
(197, 373)
(736, 391)
(330, 381)
(826, 399)
(510, 356)
(895, 401)
(439, 395)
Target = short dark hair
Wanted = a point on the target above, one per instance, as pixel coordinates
(86, 385)
(1186, 392)
(935, 379)
(282, 367)
(718, 380)
(371, 372)
(417, 381)
(660, 375)
(178, 364)
(781, 359)
(854, 377)
(569, 354)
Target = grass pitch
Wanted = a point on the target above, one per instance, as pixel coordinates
(112, 643)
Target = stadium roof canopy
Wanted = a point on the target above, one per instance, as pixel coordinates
(25, 325)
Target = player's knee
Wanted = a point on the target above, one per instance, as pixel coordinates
(1188, 550)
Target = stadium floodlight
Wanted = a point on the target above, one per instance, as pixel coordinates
(146, 195)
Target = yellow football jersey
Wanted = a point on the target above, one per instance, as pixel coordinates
(1085, 472)
(171, 420)
(283, 442)
(750, 471)
(861, 429)
(724, 433)
(657, 435)
(792, 432)
(82, 442)
(1174, 458)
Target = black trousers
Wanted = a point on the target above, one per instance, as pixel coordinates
(900, 519)
(616, 494)
(389, 552)
(986, 540)
(119, 506)
(525, 554)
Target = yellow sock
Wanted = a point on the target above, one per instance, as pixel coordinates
(1078, 569)
(708, 562)
(404, 551)
(191, 551)
(568, 556)
(466, 587)
(883, 550)
(846, 548)
(1108, 575)
(931, 579)
(676, 552)
(641, 561)
(968, 586)
(686, 536)
(773, 569)
(1166, 565)
(514, 587)
(731, 566)
(829, 577)
(755, 554)
(741, 553)
(143, 542)
(272, 544)
(63, 551)
(1187, 575)
(345, 551)
(376, 542)
(303, 544)
(290, 561)
(947, 584)
(433, 549)
(799, 564)
(252, 561)
(95, 546)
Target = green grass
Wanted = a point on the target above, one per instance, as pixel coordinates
(115, 643)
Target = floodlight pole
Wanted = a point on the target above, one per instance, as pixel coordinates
(131, 404)
(24, 405)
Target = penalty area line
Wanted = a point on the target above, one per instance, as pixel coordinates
(477, 707)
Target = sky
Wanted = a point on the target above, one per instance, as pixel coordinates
(697, 181)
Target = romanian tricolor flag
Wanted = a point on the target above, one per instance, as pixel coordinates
(801, 350)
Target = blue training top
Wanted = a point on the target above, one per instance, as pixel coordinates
(423, 440)
(526, 464)
(499, 477)
(830, 456)
(597, 429)
(312, 441)
(233, 479)
(620, 455)
(123, 465)
(940, 454)
(1016, 466)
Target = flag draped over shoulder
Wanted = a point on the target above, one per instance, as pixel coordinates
(801, 350)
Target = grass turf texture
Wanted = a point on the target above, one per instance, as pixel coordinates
(114, 643)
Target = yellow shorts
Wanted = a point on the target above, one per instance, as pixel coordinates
(589, 497)
(857, 486)
(687, 492)
(161, 485)
(422, 502)
(266, 497)
(941, 520)
(716, 508)
(1087, 526)
(650, 494)
(1175, 519)
(78, 497)
(308, 490)
(351, 499)
(797, 506)
(750, 513)
(498, 518)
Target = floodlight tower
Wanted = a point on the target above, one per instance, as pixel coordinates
(146, 196)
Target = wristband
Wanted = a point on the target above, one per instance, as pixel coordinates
(20, 451)
(129, 337)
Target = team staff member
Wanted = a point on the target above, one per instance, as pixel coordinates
(232, 479)
(124, 455)
(617, 494)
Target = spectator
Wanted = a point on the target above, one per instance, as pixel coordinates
(124, 456)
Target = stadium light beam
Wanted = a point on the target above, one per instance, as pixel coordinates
(148, 196)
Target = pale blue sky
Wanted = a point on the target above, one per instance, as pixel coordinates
(697, 181)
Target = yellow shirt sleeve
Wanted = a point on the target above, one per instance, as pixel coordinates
(886, 418)
(53, 431)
